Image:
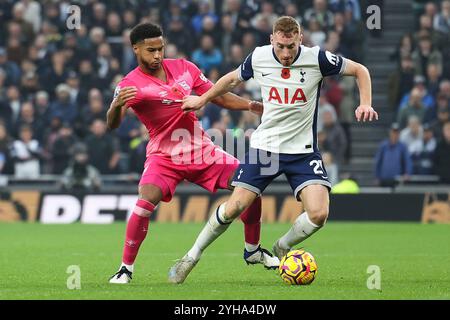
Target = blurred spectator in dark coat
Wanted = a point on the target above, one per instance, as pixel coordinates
(80, 175)
(346, 5)
(42, 108)
(419, 85)
(337, 141)
(333, 92)
(56, 73)
(441, 103)
(204, 10)
(62, 107)
(207, 56)
(248, 42)
(180, 36)
(175, 13)
(434, 76)
(317, 35)
(347, 110)
(51, 133)
(6, 166)
(444, 88)
(229, 36)
(5, 17)
(263, 22)
(210, 28)
(240, 14)
(267, 13)
(98, 15)
(113, 30)
(2, 84)
(128, 130)
(61, 150)
(95, 109)
(292, 10)
(5, 114)
(442, 155)
(427, 154)
(320, 12)
(138, 151)
(236, 58)
(128, 59)
(27, 117)
(106, 65)
(392, 159)
(426, 29)
(87, 75)
(18, 16)
(443, 116)
(83, 42)
(13, 100)
(103, 148)
(414, 107)
(10, 68)
(52, 14)
(425, 54)
(129, 18)
(96, 38)
(76, 94)
(429, 9)
(29, 85)
(324, 106)
(404, 49)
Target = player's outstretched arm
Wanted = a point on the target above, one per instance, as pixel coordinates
(232, 101)
(225, 84)
(118, 107)
(361, 73)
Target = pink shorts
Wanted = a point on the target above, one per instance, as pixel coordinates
(163, 172)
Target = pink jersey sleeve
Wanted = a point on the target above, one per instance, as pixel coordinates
(125, 82)
(201, 83)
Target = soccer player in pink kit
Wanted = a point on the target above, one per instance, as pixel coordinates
(154, 90)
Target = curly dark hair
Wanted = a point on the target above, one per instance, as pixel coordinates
(145, 31)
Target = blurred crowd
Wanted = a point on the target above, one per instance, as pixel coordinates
(419, 93)
(57, 77)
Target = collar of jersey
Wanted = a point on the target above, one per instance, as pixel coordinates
(296, 57)
(166, 70)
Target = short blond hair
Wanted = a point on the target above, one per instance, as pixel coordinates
(286, 25)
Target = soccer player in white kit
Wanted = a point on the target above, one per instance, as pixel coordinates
(290, 76)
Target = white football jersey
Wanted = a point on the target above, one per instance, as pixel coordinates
(290, 96)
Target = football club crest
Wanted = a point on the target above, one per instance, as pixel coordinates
(302, 75)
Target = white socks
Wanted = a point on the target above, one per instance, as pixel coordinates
(251, 247)
(130, 267)
(216, 225)
(303, 228)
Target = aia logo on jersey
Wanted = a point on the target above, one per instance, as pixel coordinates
(285, 96)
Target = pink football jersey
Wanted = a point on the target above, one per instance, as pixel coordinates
(158, 105)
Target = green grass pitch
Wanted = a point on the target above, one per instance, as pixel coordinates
(414, 260)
